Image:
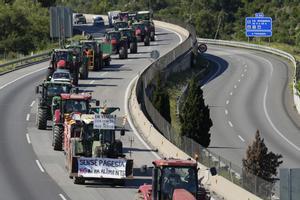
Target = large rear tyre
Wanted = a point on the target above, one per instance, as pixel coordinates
(58, 138)
(147, 41)
(107, 62)
(133, 47)
(42, 118)
(122, 53)
(152, 36)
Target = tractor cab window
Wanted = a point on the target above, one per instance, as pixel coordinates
(54, 90)
(178, 178)
(73, 105)
(106, 136)
(90, 133)
(127, 33)
(115, 35)
(62, 55)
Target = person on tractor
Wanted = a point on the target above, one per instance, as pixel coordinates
(171, 180)
(61, 64)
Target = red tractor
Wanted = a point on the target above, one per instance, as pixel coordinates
(142, 32)
(62, 107)
(119, 44)
(174, 179)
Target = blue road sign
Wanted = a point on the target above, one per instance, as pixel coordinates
(258, 33)
(258, 26)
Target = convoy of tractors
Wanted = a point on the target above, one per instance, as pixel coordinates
(86, 131)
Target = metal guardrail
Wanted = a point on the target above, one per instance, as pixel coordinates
(23, 62)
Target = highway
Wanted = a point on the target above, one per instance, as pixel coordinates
(249, 90)
(29, 168)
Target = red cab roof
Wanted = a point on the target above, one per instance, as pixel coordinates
(80, 96)
(175, 163)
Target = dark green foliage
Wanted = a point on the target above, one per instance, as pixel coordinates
(24, 27)
(161, 100)
(260, 162)
(194, 117)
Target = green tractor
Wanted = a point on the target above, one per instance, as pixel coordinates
(128, 33)
(47, 91)
(72, 63)
(62, 107)
(120, 24)
(98, 53)
(81, 59)
(142, 32)
(119, 44)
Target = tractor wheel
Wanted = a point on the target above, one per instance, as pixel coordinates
(122, 53)
(42, 118)
(79, 180)
(119, 147)
(152, 36)
(106, 62)
(58, 137)
(147, 41)
(84, 73)
(133, 47)
(75, 79)
(119, 182)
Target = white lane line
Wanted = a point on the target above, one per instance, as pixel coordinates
(241, 138)
(62, 196)
(27, 117)
(180, 38)
(129, 118)
(242, 75)
(246, 66)
(231, 93)
(230, 124)
(7, 84)
(227, 102)
(245, 70)
(239, 80)
(235, 86)
(33, 102)
(226, 112)
(39, 165)
(103, 74)
(92, 82)
(28, 138)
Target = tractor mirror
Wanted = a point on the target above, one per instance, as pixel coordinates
(213, 171)
(97, 103)
(37, 89)
(122, 132)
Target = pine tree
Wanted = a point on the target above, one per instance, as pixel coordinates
(161, 100)
(195, 118)
(260, 162)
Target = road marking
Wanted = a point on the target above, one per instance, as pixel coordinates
(28, 138)
(230, 124)
(27, 117)
(92, 82)
(226, 112)
(241, 138)
(227, 102)
(129, 118)
(33, 102)
(180, 38)
(245, 70)
(39, 165)
(245, 66)
(231, 93)
(103, 74)
(7, 84)
(239, 80)
(242, 75)
(235, 86)
(62, 197)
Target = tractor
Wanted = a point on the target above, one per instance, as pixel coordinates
(119, 44)
(146, 17)
(124, 16)
(128, 33)
(120, 24)
(94, 153)
(47, 90)
(141, 32)
(98, 53)
(174, 179)
(72, 63)
(81, 59)
(62, 107)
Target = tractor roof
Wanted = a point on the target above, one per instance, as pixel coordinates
(57, 83)
(64, 50)
(174, 163)
(82, 96)
(144, 12)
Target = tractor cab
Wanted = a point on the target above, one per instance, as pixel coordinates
(144, 15)
(118, 43)
(61, 54)
(174, 179)
(129, 35)
(120, 24)
(123, 16)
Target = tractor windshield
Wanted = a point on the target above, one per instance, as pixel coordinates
(139, 26)
(115, 35)
(57, 89)
(74, 105)
(63, 55)
(127, 33)
(144, 16)
(106, 136)
(172, 178)
(119, 25)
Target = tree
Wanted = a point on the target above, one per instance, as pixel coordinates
(194, 117)
(260, 162)
(161, 100)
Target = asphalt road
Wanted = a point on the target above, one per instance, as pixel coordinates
(248, 91)
(29, 168)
